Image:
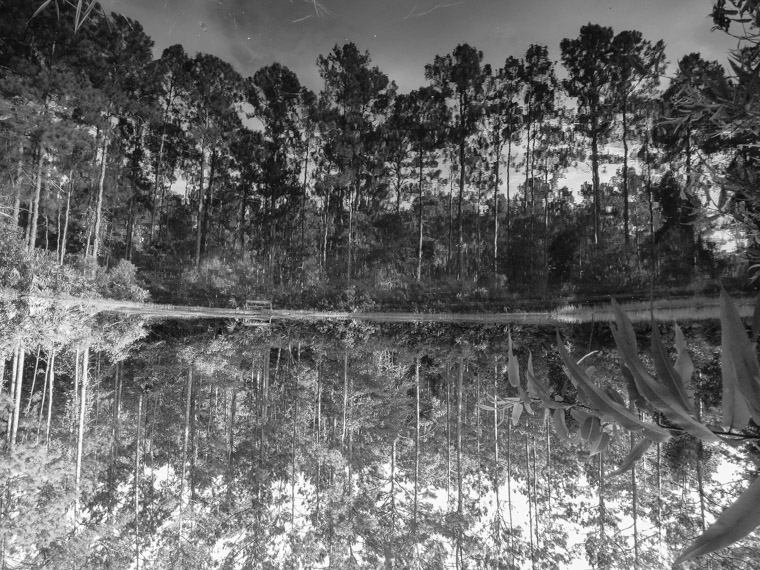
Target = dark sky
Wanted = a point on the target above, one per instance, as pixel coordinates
(403, 35)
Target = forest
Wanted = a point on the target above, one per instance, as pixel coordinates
(135, 442)
(219, 187)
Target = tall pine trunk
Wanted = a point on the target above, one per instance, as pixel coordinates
(99, 205)
(422, 210)
(17, 186)
(18, 377)
(595, 186)
(80, 431)
(137, 480)
(199, 213)
(460, 501)
(185, 443)
(415, 508)
(496, 210)
(626, 229)
(32, 225)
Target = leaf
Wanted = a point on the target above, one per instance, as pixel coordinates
(684, 365)
(664, 396)
(486, 407)
(516, 413)
(601, 402)
(44, 5)
(736, 522)
(667, 373)
(513, 367)
(596, 431)
(77, 17)
(741, 371)
(636, 453)
(600, 445)
(756, 320)
(633, 392)
(558, 418)
(86, 15)
(587, 427)
(525, 400)
(614, 395)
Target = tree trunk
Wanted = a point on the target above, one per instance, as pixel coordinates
(157, 184)
(595, 185)
(66, 217)
(422, 210)
(350, 233)
(509, 213)
(415, 507)
(32, 225)
(17, 186)
(527, 168)
(80, 432)
(460, 502)
(99, 205)
(34, 382)
(137, 481)
(448, 436)
(208, 202)
(509, 490)
(530, 501)
(11, 394)
(185, 442)
(460, 259)
(344, 430)
(602, 531)
(626, 229)
(496, 211)
(241, 218)
(634, 502)
(294, 444)
(451, 224)
(44, 388)
(51, 387)
(200, 207)
(17, 396)
(497, 514)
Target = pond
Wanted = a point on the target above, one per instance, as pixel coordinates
(353, 444)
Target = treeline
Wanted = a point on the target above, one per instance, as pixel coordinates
(111, 154)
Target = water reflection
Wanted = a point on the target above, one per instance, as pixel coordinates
(347, 444)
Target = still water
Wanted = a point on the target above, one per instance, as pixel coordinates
(356, 443)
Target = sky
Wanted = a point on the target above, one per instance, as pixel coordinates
(404, 35)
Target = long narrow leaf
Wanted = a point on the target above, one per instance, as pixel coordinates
(77, 17)
(536, 389)
(668, 374)
(559, 424)
(736, 522)
(744, 369)
(664, 396)
(756, 320)
(525, 400)
(44, 5)
(516, 413)
(93, 4)
(636, 453)
(513, 367)
(601, 444)
(735, 409)
(596, 431)
(587, 427)
(601, 402)
(684, 365)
